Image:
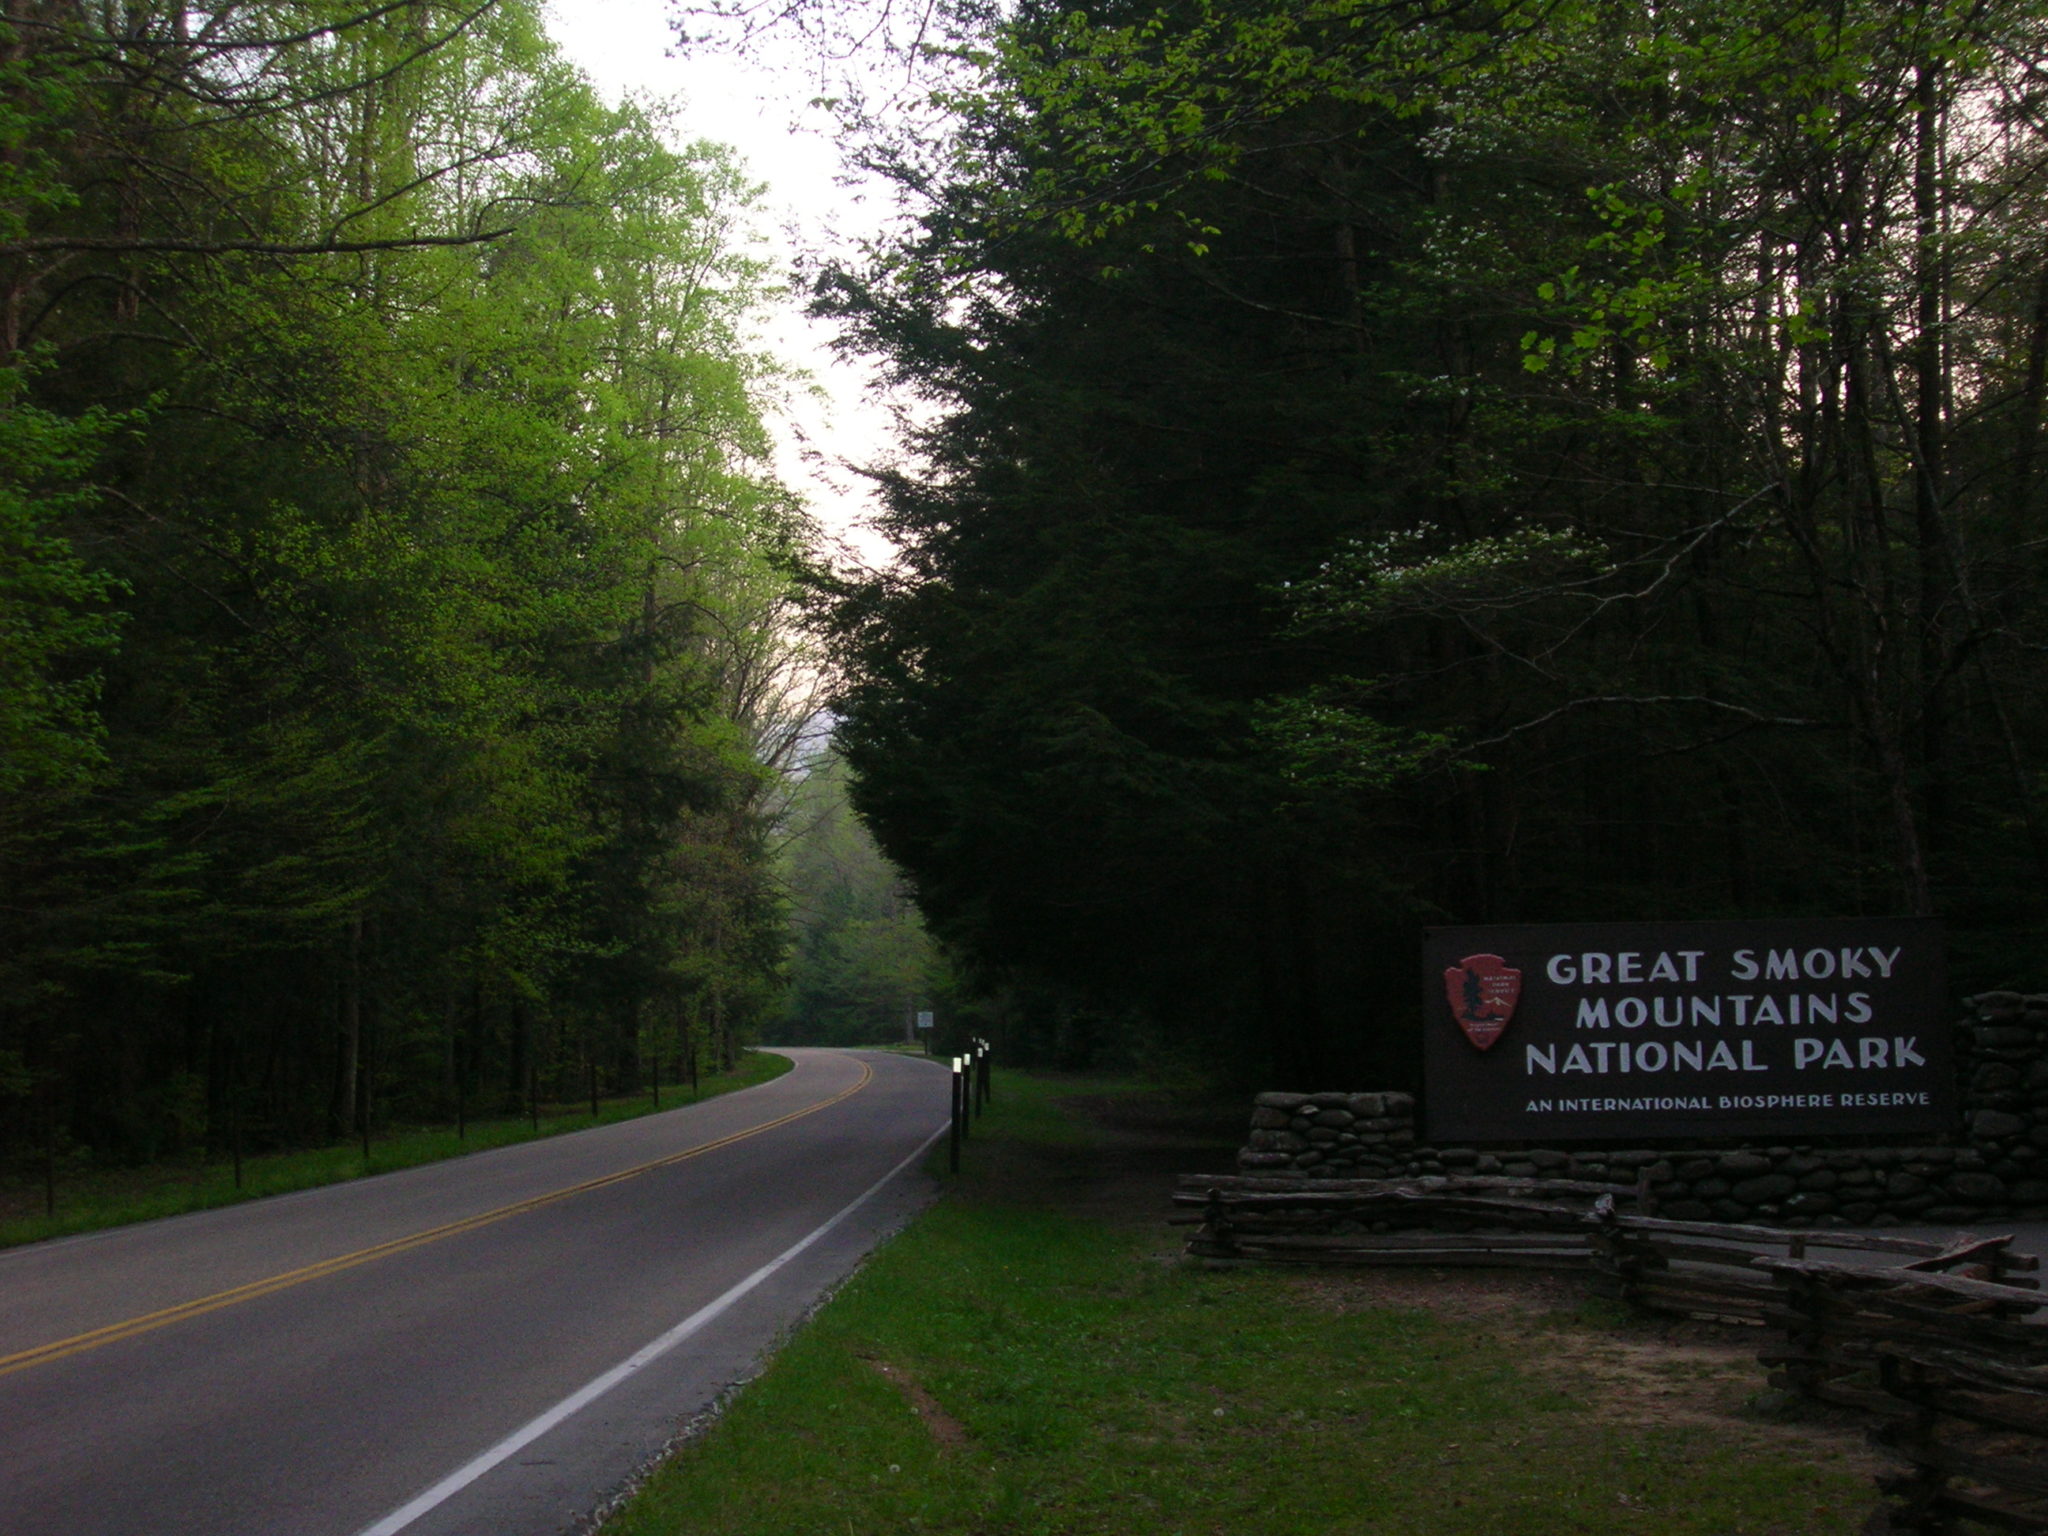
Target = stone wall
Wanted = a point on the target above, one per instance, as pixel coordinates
(1996, 1163)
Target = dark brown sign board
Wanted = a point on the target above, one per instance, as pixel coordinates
(1792, 1030)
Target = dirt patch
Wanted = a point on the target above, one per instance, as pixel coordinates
(1628, 1368)
(1144, 1143)
(947, 1431)
(1123, 1167)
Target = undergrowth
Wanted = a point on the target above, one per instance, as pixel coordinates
(90, 1200)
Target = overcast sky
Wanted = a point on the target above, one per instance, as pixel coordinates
(629, 45)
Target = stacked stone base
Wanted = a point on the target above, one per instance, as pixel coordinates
(1995, 1167)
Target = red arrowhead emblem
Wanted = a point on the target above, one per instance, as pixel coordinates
(1483, 991)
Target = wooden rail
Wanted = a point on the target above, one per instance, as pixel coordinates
(1475, 1220)
(1943, 1340)
(1951, 1363)
(1710, 1269)
(1932, 1337)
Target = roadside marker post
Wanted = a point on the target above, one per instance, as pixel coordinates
(953, 1123)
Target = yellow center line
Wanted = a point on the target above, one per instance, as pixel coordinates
(113, 1333)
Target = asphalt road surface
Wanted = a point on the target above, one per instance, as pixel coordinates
(488, 1346)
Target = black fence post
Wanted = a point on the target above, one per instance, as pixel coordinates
(953, 1125)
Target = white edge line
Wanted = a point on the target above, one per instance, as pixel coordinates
(584, 1396)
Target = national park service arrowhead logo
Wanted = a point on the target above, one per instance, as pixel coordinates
(1483, 990)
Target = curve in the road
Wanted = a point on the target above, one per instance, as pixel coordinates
(129, 1328)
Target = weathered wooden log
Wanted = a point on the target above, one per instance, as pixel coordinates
(1708, 1254)
(1429, 1182)
(1218, 1230)
(2010, 1414)
(1461, 1214)
(1298, 1253)
(1448, 1242)
(1480, 1220)
(1698, 1296)
(1700, 1268)
(1991, 1373)
(1311, 1199)
(2014, 1474)
(1778, 1237)
(1965, 1383)
(1877, 1315)
(1941, 1504)
(1849, 1276)
(1966, 1248)
(1406, 1201)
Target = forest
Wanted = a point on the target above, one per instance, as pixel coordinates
(1368, 464)
(397, 698)
(1383, 463)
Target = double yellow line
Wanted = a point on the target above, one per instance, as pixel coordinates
(113, 1333)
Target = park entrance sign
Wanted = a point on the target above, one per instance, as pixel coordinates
(1792, 1030)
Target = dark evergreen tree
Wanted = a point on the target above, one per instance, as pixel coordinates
(1454, 465)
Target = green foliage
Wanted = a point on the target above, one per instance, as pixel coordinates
(394, 409)
(1406, 573)
(1420, 463)
(1326, 739)
(55, 619)
(861, 964)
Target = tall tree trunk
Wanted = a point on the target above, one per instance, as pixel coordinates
(1936, 581)
(349, 1069)
(2033, 393)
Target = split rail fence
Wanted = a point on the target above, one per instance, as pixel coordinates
(1943, 1340)
(1471, 1220)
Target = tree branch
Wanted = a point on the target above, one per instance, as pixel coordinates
(1641, 699)
(184, 246)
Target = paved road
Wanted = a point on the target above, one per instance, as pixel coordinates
(314, 1365)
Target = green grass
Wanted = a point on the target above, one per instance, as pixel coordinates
(89, 1201)
(1006, 1369)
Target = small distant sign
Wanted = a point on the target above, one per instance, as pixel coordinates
(1596, 1032)
(924, 1018)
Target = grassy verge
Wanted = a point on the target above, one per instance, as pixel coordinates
(88, 1201)
(1006, 1368)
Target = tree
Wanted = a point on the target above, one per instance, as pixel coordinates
(1442, 464)
(387, 398)
(861, 964)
